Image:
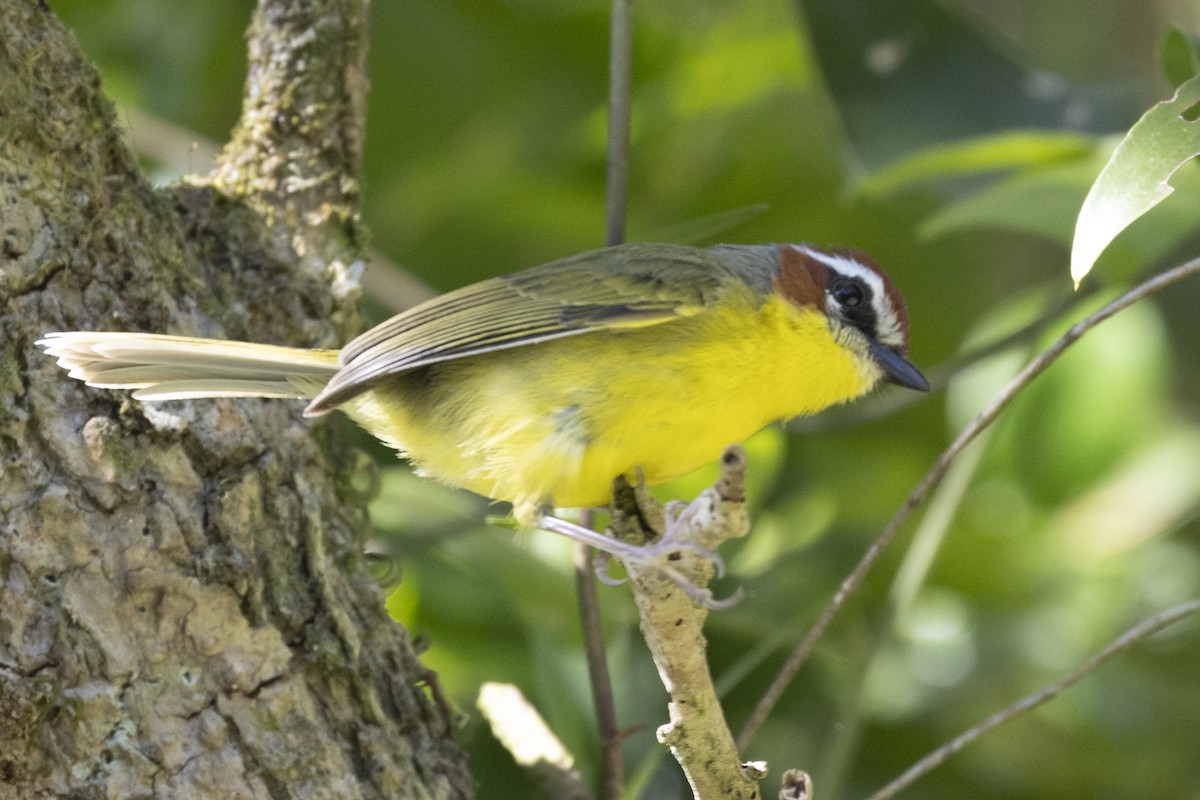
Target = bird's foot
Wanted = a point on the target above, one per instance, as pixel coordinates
(663, 555)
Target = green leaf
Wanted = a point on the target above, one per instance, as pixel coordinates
(1045, 203)
(1136, 177)
(1008, 150)
(1042, 202)
(1179, 57)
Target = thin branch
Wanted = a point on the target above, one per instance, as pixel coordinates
(1132, 636)
(603, 699)
(985, 418)
(620, 51)
(619, 81)
(913, 569)
(846, 730)
(888, 402)
(672, 625)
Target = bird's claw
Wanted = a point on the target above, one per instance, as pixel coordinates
(658, 556)
(713, 604)
(699, 594)
(674, 510)
(600, 566)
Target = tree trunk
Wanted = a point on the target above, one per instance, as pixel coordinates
(183, 608)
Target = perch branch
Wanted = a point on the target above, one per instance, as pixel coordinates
(672, 624)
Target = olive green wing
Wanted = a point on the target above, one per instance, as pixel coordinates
(619, 287)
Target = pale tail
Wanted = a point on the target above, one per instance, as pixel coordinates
(162, 367)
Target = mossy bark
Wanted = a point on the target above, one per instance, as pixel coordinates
(183, 612)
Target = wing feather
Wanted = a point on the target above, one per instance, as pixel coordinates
(622, 287)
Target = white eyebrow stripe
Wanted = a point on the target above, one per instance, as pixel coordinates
(887, 326)
(847, 266)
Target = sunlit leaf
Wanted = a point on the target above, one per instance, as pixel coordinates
(1045, 202)
(1136, 177)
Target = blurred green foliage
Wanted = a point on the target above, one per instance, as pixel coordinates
(955, 141)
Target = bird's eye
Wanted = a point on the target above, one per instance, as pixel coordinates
(847, 293)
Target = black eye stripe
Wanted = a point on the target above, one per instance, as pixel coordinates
(851, 300)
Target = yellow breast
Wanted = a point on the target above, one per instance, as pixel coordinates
(555, 422)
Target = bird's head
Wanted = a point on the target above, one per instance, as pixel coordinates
(866, 312)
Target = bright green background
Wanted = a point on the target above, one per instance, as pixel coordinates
(953, 140)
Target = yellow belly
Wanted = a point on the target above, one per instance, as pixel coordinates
(556, 422)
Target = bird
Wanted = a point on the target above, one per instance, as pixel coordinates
(541, 387)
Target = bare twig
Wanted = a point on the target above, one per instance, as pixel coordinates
(985, 418)
(597, 663)
(941, 507)
(620, 51)
(672, 624)
(1132, 636)
(889, 402)
(619, 80)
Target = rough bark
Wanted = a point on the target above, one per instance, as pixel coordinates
(183, 609)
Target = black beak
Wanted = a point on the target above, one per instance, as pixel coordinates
(899, 370)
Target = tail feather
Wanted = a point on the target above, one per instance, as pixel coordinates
(295, 387)
(163, 367)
